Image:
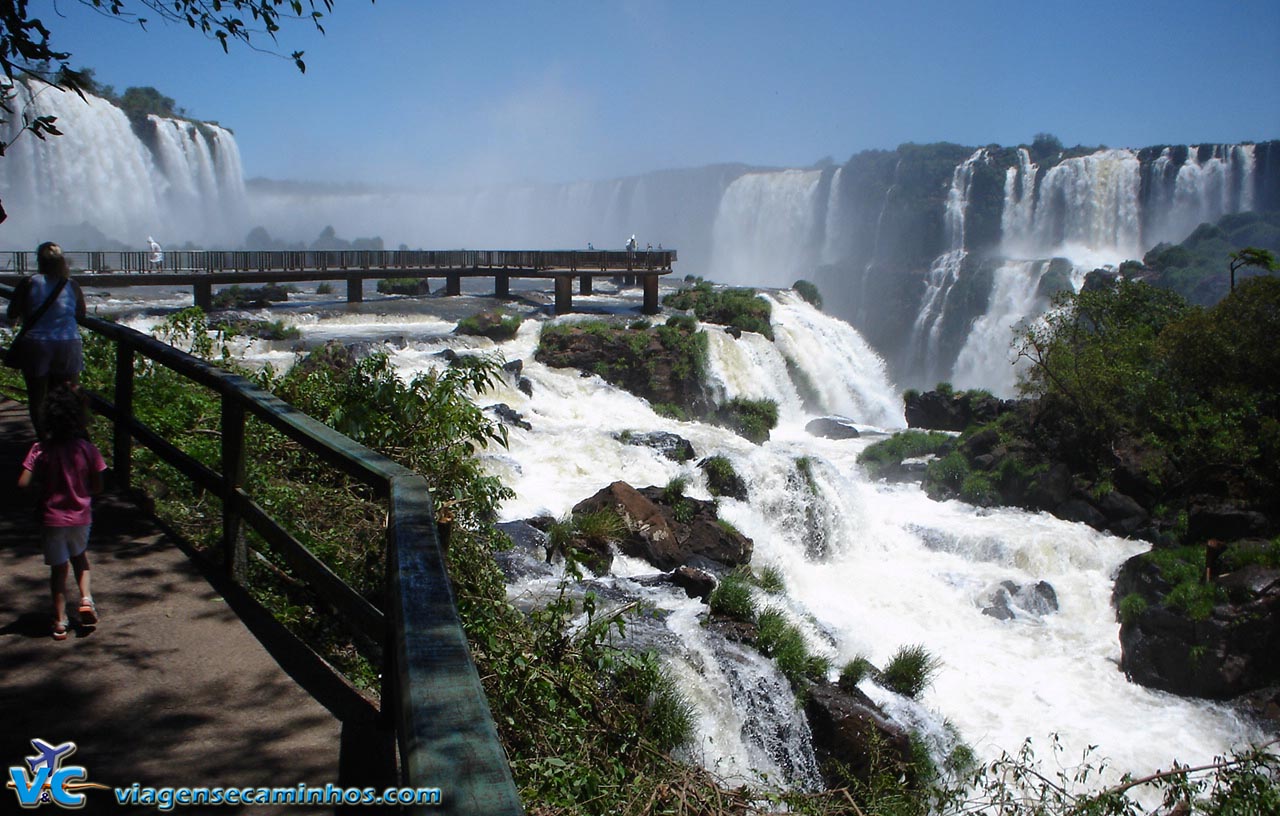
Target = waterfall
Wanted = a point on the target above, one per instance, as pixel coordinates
(945, 270)
(986, 359)
(1085, 207)
(834, 244)
(868, 567)
(100, 174)
(764, 231)
(1192, 185)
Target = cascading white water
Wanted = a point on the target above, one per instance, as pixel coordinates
(868, 567)
(1197, 191)
(1019, 210)
(987, 360)
(100, 173)
(765, 228)
(834, 244)
(945, 270)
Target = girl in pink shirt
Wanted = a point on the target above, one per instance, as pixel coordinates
(69, 470)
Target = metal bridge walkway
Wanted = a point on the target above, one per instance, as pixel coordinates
(173, 688)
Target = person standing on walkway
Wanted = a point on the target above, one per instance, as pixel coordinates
(156, 259)
(68, 469)
(48, 305)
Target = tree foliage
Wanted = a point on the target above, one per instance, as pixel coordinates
(1136, 362)
(28, 49)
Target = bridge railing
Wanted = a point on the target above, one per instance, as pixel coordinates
(340, 260)
(431, 691)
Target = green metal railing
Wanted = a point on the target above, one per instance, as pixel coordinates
(431, 691)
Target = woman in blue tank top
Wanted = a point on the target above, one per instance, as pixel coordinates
(52, 352)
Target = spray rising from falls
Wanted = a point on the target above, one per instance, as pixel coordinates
(183, 182)
(766, 228)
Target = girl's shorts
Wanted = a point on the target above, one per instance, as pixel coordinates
(61, 544)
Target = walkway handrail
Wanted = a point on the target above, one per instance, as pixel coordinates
(431, 689)
(215, 260)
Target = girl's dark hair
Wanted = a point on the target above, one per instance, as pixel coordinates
(50, 260)
(64, 413)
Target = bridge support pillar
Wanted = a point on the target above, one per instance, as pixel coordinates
(453, 285)
(355, 290)
(628, 280)
(584, 285)
(650, 294)
(501, 285)
(203, 295)
(564, 294)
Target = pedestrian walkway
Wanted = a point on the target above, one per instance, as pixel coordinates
(175, 686)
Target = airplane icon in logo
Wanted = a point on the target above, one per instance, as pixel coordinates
(50, 756)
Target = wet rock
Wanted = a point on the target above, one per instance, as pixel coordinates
(1233, 651)
(509, 416)
(947, 411)
(526, 386)
(832, 427)
(1123, 514)
(695, 582)
(667, 537)
(513, 367)
(672, 446)
(528, 555)
(1037, 599)
(851, 732)
(1081, 511)
(722, 479)
(332, 356)
(1226, 522)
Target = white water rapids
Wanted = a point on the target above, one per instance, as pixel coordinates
(869, 567)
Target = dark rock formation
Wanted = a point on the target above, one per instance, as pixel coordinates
(832, 427)
(673, 446)
(695, 582)
(1233, 651)
(852, 737)
(722, 479)
(655, 533)
(509, 415)
(1038, 599)
(946, 411)
(333, 356)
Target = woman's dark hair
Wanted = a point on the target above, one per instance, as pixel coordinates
(64, 413)
(50, 260)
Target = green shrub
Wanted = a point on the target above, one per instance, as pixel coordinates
(1195, 599)
(780, 640)
(741, 308)
(669, 720)
(854, 672)
(732, 599)
(948, 472)
(909, 671)
(809, 292)
(600, 526)
(752, 419)
(404, 286)
(236, 297)
(262, 329)
(494, 325)
(728, 527)
(1131, 607)
(978, 489)
(770, 580)
(674, 490)
(890, 452)
(682, 322)
(324, 288)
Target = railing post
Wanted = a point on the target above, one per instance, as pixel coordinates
(122, 434)
(233, 546)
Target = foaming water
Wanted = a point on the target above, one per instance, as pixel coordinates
(869, 567)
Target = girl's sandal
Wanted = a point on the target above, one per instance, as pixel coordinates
(60, 630)
(88, 612)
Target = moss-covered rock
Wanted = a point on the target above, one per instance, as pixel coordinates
(494, 325)
(665, 364)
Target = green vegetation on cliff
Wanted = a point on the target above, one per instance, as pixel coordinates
(740, 308)
(1197, 269)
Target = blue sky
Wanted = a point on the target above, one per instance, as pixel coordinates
(416, 92)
